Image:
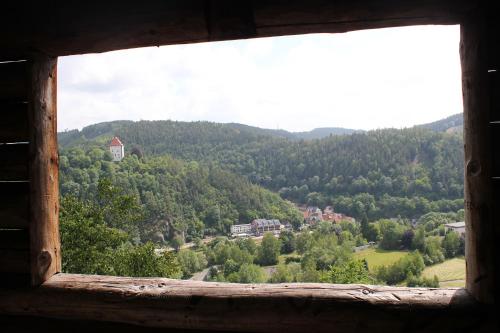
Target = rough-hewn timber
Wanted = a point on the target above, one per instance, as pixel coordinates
(78, 27)
(14, 205)
(14, 239)
(157, 302)
(480, 239)
(44, 191)
(13, 162)
(14, 261)
(13, 122)
(13, 77)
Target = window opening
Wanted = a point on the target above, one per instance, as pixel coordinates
(256, 164)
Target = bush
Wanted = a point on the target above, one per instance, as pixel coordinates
(281, 275)
(392, 233)
(141, 261)
(410, 265)
(433, 253)
(191, 262)
(269, 250)
(292, 259)
(451, 244)
(248, 273)
(413, 281)
(287, 239)
(352, 271)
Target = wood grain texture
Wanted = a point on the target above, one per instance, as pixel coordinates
(14, 205)
(280, 17)
(228, 19)
(13, 85)
(305, 307)
(14, 162)
(13, 122)
(97, 26)
(44, 192)
(480, 230)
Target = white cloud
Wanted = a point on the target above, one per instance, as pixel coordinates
(366, 79)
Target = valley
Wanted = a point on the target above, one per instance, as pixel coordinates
(184, 186)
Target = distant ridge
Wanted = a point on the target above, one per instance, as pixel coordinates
(452, 123)
(322, 132)
(317, 133)
(109, 129)
(106, 130)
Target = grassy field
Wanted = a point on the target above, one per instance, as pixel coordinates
(378, 257)
(451, 273)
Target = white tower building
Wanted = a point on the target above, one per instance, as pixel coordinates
(117, 150)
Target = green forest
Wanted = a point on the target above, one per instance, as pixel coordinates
(174, 198)
(182, 182)
(382, 173)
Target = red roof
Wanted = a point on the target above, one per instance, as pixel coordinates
(115, 142)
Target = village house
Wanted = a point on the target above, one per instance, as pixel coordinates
(328, 210)
(260, 226)
(241, 230)
(313, 215)
(312, 210)
(117, 149)
(458, 227)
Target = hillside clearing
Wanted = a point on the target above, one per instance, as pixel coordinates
(451, 273)
(378, 257)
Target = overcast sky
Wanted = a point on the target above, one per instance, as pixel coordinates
(368, 79)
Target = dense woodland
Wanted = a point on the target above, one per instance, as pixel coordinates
(382, 173)
(177, 200)
(181, 182)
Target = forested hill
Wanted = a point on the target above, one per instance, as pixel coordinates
(175, 197)
(207, 130)
(452, 123)
(379, 173)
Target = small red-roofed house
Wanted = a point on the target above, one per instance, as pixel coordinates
(117, 149)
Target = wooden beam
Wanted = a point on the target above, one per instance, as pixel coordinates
(494, 93)
(480, 229)
(77, 27)
(14, 162)
(44, 192)
(282, 17)
(14, 205)
(15, 261)
(495, 148)
(13, 122)
(13, 77)
(14, 239)
(228, 19)
(302, 307)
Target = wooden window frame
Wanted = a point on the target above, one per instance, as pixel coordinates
(159, 302)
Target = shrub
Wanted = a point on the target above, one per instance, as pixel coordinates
(411, 264)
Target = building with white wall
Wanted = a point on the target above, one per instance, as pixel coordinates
(458, 227)
(117, 149)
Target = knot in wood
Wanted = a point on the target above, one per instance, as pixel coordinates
(44, 261)
(473, 168)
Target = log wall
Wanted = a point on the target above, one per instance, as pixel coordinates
(305, 307)
(29, 239)
(14, 178)
(29, 235)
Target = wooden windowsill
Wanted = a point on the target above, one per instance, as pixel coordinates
(301, 307)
